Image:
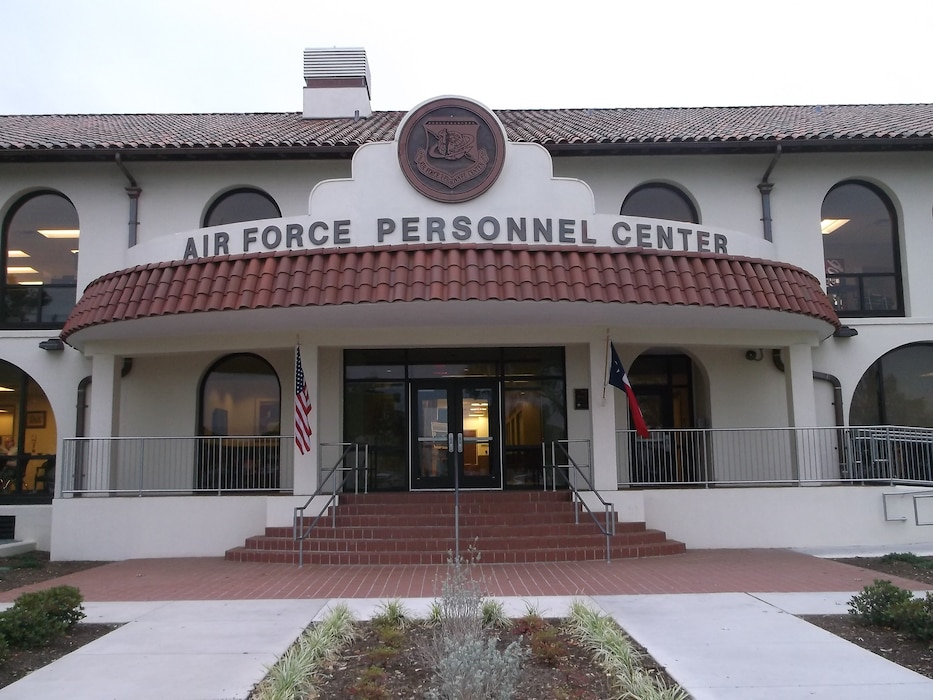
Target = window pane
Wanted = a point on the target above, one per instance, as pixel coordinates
(897, 389)
(660, 202)
(42, 261)
(241, 205)
(860, 251)
(241, 396)
(374, 414)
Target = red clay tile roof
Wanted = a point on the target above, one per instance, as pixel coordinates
(448, 273)
(736, 128)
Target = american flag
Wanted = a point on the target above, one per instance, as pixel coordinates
(302, 407)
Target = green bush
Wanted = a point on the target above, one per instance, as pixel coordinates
(915, 617)
(876, 604)
(909, 558)
(39, 617)
(62, 603)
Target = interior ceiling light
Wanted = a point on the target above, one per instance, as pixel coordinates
(22, 271)
(17, 254)
(5, 388)
(30, 283)
(60, 232)
(830, 225)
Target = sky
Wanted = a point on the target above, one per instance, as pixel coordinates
(134, 56)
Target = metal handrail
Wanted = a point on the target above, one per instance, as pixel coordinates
(557, 470)
(329, 476)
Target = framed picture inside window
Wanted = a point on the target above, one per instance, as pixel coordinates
(35, 419)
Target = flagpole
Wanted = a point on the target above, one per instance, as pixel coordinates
(606, 367)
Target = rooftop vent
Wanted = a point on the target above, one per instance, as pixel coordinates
(336, 84)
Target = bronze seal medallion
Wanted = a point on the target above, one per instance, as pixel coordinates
(451, 150)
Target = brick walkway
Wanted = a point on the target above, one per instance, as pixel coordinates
(697, 571)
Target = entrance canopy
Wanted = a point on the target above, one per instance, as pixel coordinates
(503, 284)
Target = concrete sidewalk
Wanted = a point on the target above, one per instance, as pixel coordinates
(723, 646)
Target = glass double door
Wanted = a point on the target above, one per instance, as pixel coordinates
(455, 434)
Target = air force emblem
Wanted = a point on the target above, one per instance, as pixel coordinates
(451, 150)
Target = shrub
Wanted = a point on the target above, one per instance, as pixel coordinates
(476, 669)
(876, 603)
(914, 617)
(39, 617)
(62, 603)
(909, 558)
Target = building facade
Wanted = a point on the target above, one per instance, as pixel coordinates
(454, 278)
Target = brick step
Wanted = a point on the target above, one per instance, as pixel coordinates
(443, 508)
(437, 558)
(324, 530)
(466, 520)
(418, 528)
(423, 497)
(443, 542)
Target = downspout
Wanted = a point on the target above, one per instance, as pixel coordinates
(133, 192)
(765, 188)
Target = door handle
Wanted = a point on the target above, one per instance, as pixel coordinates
(450, 442)
(460, 443)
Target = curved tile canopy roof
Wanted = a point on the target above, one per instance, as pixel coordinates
(448, 273)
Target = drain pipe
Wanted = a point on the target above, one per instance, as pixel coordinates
(765, 188)
(133, 192)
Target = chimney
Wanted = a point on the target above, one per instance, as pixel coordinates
(336, 84)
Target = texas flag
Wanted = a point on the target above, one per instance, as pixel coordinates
(619, 379)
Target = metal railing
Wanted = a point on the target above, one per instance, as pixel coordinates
(568, 472)
(146, 466)
(333, 481)
(775, 456)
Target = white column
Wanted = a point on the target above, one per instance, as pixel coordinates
(798, 379)
(306, 465)
(801, 409)
(603, 414)
(104, 419)
(99, 459)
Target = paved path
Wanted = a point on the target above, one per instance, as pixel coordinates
(721, 621)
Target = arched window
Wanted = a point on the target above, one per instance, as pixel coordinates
(240, 402)
(28, 438)
(860, 250)
(659, 201)
(897, 389)
(40, 253)
(243, 204)
(240, 395)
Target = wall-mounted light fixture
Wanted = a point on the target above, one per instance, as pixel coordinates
(754, 355)
(845, 332)
(52, 344)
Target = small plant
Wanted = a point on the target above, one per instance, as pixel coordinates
(546, 645)
(292, 675)
(369, 686)
(493, 613)
(392, 614)
(618, 656)
(876, 603)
